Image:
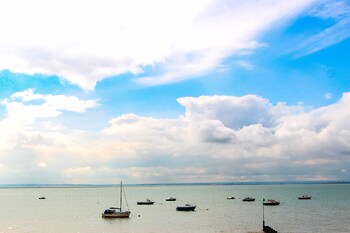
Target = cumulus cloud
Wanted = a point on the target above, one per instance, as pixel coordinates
(252, 140)
(233, 112)
(23, 109)
(264, 141)
(84, 42)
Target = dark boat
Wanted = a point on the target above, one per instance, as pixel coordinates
(304, 197)
(171, 199)
(147, 202)
(42, 198)
(271, 202)
(186, 207)
(230, 198)
(248, 199)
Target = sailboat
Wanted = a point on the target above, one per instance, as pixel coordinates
(117, 212)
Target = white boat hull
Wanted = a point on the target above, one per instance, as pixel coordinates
(124, 214)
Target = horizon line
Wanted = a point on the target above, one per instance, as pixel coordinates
(175, 184)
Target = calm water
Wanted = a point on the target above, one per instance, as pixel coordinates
(79, 209)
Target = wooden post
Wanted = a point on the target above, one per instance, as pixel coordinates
(263, 214)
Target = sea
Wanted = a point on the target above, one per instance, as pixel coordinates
(79, 209)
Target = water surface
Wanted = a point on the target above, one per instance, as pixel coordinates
(79, 209)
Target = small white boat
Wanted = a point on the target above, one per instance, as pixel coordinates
(171, 199)
(231, 198)
(116, 212)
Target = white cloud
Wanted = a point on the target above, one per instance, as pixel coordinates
(233, 112)
(27, 95)
(328, 96)
(337, 10)
(21, 112)
(131, 126)
(42, 164)
(252, 139)
(246, 65)
(78, 171)
(84, 42)
(294, 140)
(326, 38)
(52, 104)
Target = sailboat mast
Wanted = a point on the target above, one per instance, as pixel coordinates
(121, 188)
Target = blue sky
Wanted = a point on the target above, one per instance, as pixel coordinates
(174, 91)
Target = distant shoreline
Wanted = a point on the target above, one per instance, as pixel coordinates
(168, 184)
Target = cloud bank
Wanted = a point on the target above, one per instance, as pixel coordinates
(218, 138)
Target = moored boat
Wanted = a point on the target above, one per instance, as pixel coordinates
(248, 199)
(171, 199)
(147, 202)
(116, 212)
(271, 202)
(186, 207)
(304, 197)
(230, 198)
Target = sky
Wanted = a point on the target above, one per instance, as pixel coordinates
(162, 91)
